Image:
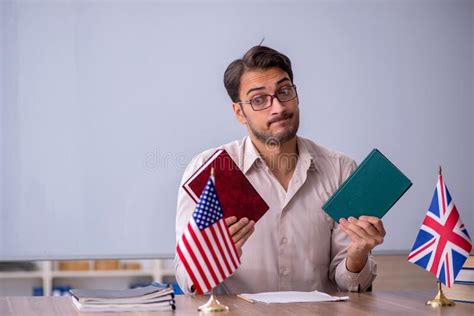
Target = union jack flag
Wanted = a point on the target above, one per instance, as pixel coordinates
(206, 248)
(443, 244)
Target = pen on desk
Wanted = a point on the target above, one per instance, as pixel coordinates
(245, 299)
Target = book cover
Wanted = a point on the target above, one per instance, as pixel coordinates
(372, 189)
(122, 308)
(465, 275)
(237, 195)
(460, 292)
(469, 264)
(150, 298)
(127, 295)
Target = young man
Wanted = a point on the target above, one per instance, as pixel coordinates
(295, 245)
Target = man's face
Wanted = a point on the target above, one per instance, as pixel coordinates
(276, 124)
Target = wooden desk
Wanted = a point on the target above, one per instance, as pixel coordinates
(400, 303)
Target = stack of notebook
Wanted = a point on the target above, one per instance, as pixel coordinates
(463, 288)
(155, 297)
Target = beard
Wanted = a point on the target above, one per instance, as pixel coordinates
(276, 139)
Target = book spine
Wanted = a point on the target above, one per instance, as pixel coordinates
(464, 282)
(197, 172)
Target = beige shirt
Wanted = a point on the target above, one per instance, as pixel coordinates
(296, 245)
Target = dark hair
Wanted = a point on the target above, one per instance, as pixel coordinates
(258, 57)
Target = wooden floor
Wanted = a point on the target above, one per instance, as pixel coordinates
(396, 273)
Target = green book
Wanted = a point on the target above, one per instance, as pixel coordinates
(372, 189)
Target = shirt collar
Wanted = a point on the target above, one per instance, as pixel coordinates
(306, 156)
(251, 155)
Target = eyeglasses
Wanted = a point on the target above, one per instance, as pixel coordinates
(264, 101)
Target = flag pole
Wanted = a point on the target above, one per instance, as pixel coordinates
(213, 305)
(440, 300)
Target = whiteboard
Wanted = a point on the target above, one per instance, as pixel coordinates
(103, 104)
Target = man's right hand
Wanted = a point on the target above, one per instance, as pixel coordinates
(240, 231)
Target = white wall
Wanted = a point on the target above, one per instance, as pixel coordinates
(2, 101)
(472, 104)
(106, 101)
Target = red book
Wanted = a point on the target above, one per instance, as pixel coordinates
(237, 195)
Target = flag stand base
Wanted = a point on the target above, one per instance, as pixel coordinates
(440, 300)
(213, 305)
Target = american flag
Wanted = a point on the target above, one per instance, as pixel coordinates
(443, 244)
(206, 248)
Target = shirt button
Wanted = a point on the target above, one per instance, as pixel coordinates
(284, 240)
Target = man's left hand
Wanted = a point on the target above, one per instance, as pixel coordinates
(365, 233)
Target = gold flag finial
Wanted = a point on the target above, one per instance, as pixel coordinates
(439, 172)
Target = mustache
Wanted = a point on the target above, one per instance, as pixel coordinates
(283, 116)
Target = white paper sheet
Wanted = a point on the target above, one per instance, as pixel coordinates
(294, 297)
